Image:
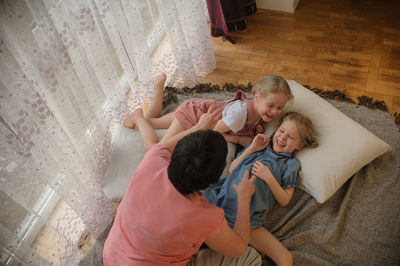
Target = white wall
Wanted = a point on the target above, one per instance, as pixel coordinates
(280, 5)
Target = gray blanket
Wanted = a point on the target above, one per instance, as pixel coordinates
(358, 225)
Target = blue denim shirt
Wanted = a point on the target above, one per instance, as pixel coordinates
(284, 167)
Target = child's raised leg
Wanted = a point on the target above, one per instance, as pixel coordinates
(267, 243)
(147, 133)
(155, 106)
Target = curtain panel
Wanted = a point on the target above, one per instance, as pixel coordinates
(65, 69)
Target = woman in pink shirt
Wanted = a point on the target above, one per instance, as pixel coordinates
(163, 219)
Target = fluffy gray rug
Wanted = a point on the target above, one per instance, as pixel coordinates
(358, 225)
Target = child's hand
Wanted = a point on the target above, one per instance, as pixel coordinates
(261, 171)
(246, 188)
(259, 142)
(208, 120)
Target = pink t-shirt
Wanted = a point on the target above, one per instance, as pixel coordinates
(155, 224)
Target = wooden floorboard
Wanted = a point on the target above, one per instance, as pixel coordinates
(351, 45)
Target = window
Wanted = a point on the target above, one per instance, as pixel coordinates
(153, 27)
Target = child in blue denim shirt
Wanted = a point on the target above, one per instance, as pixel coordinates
(277, 172)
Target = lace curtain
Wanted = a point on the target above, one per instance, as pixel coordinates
(65, 69)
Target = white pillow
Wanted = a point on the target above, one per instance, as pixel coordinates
(127, 150)
(344, 145)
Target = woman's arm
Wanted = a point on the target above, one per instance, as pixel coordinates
(242, 140)
(146, 132)
(258, 143)
(207, 121)
(282, 196)
(223, 128)
(234, 242)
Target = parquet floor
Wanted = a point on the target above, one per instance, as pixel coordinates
(351, 45)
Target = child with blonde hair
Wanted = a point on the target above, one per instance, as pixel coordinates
(240, 118)
(277, 172)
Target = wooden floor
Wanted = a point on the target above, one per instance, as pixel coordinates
(351, 45)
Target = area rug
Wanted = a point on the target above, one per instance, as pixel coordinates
(358, 225)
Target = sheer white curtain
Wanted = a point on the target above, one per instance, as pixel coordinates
(65, 68)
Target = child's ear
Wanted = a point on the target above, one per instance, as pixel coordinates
(300, 146)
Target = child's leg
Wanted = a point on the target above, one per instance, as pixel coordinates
(147, 133)
(162, 122)
(155, 106)
(267, 243)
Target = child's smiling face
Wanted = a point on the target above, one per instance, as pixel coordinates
(269, 106)
(287, 137)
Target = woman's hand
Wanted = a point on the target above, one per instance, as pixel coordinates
(233, 241)
(246, 188)
(261, 171)
(208, 120)
(259, 143)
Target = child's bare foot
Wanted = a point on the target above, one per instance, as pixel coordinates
(130, 120)
(159, 82)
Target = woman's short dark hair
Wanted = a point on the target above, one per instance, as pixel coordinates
(197, 161)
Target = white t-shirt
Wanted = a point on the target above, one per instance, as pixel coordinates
(234, 115)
